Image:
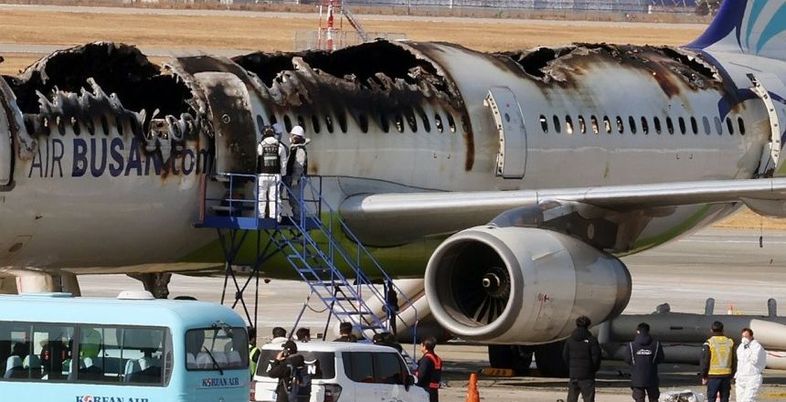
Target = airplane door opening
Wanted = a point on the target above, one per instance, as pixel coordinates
(230, 113)
(512, 155)
(6, 141)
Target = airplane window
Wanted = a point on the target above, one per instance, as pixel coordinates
(645, 128)
(694, 125)
(260, 122)
(557, 127)
(104, 125)
(669, 125)
(45, 122)
(451, 123)
(315, 123)
(273, 119)
(607, 124)
(544, 124)
(568, 125)
(329, 123)
(632, 124)
(342, 121)
(656, 123)
(399, 123)
(594, 121)
(363, 122)
(119, 125)
(301, 122)
(582, 125)
(620, 127)
(706, 123)
(89, 123)
(413, 123)
(136, 129)
(730, 125)
(424, 119)
(437, 123)
(77, 128)
(383, 122)
(60, 122)
(681, 122)
(287, 123)
(741, 123)
(718, 125)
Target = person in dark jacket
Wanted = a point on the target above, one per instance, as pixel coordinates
(582, 354)
(282, 367)
(345, 332)
(643, 355)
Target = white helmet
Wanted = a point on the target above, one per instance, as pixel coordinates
(297, 131)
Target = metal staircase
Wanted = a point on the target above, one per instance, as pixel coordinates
(354, 22)
(318, 245)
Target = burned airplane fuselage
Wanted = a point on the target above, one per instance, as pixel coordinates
(108, 155)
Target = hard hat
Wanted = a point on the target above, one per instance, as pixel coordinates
(297, 131)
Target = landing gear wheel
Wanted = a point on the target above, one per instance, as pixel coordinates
(517, 358)
(500, 356)
(549, 360)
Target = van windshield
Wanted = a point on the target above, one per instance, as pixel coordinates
(218, 348)
(321, 365)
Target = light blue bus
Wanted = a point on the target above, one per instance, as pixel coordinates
(54, 347)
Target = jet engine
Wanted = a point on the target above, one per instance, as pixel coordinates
(513, 285)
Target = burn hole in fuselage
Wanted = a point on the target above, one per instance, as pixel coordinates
(116, 68)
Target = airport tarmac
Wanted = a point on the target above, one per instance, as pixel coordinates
(728, 265)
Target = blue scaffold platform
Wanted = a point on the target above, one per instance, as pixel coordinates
(316, 243)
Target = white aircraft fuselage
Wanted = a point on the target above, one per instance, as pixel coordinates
(593, 115)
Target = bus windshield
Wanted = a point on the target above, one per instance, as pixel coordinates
(217, 348)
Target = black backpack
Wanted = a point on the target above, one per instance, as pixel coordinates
(299, 386)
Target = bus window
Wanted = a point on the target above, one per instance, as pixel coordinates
(37, 352)
(217, 348)
(121, 355)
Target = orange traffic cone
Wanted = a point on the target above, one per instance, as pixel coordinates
(472, 388)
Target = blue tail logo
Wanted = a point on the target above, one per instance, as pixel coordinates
(756, 27)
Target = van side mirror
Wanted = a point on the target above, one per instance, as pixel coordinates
(410, 381)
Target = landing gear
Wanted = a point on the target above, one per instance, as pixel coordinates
(155, 283)
(29, 281)
(549, 360)
(515, 357)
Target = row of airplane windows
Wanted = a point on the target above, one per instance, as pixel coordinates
(60, 124)
(399, 122)
(604, 125)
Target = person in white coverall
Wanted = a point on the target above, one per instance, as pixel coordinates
(271, 165)
(751, 359)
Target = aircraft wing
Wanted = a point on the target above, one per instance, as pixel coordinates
(407, 215)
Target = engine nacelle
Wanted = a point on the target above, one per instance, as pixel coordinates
(516, 285)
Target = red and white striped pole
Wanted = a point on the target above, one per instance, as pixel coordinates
(330, 26)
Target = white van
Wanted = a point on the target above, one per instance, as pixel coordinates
(344, 372)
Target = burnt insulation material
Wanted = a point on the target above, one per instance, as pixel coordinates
(116, 68)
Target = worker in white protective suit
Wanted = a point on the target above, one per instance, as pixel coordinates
(271, 165)
(751, 359)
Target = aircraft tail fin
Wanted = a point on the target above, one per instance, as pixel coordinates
(756, 27)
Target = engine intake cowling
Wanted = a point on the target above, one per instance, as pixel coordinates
(516, 285)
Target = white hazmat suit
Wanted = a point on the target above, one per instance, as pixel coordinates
(751, 359)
